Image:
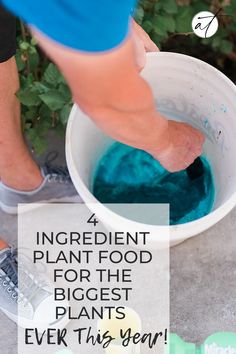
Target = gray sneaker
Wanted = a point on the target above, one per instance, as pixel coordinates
(31, 303)
(57, 187)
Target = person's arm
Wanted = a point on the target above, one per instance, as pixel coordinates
(108, 87)
(106, 84)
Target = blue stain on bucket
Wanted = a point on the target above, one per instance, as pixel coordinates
(223, 108)
(128, 175)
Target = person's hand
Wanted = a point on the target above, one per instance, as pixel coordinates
(142, 44)
(185, 145)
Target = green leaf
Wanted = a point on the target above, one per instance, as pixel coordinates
(160, 32)
(157, 6)
(40, 145)
(216, 41)
(33, 61)
(147, 26)
(31, 134)
(34, 41)
(27, 126)
(164, 23)
(65, 91)
(32, 113)
(19, 62)
(32, 50)
(226, 46)
(184, 19)
(38, 140)
(24, 46)
(199, 6)
(170, 24)
(170, 6)
(53, 99)
(64, 114)
(44, 126)
(28, 97)
(147, 5)
(52, 75)
(206, 41)
(41, 88)
(26, 81)
(231, 9)
(139, 14)
(44, 112)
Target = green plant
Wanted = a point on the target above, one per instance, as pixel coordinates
(44, 95)
(165, 19)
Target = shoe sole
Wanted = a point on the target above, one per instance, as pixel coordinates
(31, 206)
(24, 323)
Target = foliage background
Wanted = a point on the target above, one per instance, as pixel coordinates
(45, 97)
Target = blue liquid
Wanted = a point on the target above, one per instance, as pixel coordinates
(128, 175)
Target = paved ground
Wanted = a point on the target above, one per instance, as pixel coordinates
(203, 282)
(203, 278)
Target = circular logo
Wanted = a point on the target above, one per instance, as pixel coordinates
(205, 24)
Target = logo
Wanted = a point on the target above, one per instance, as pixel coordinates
(205, 24)
(214, 349)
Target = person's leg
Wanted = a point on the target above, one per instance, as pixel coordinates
(21, 180)
(17, 168)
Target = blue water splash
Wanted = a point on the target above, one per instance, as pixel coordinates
(128, 175)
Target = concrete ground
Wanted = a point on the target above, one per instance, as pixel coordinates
(203, 282)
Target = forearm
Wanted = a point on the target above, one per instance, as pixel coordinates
(131, 119)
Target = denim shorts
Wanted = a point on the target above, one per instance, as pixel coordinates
(7, 35)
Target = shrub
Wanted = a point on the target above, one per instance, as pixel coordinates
(44, 95)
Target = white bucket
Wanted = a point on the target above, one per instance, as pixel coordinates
(186, 89)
